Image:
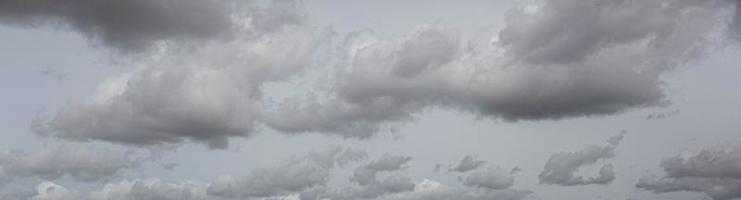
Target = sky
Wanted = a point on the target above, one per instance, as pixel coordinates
(378, 100)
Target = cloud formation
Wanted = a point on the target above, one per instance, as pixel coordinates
(129, 25)
(206, 94)
(561, 167)
(603, 57)
(494, 178)
(714, 172)
(295, 176)
(563, 59)
(432, 190)
(63, 160)
(366, 174)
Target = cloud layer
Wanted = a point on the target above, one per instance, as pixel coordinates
(602, 58)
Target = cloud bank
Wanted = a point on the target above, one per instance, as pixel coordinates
(556, 60)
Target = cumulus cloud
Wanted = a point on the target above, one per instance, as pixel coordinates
(128, 25)
(564, 59)
(714, 172)
(468, 163)
(63, 160)
(561, 167)
(601, 58)
(206, 94)
(294, 176)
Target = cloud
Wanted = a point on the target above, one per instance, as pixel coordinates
(561, 167)
(566, 59)
(494, 178)
(129, 25)
(714, 172)
(52, 191)
(366, 174)
(150, 189)
(467, 164)
(206, 95)
(432, 190)
(294, 176)
(602, 58)
(64, 160)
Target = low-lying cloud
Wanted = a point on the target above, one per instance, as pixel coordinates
(714, 172)
(562, 167)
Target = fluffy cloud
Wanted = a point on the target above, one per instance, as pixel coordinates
(561, 167)
(564, 59)
(715, 172)
(137, 24)
(63, 160)
(206, 94)
(467, 164)
(602, 58)
(296, 175)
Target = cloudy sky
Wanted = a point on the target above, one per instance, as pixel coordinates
(380, 100)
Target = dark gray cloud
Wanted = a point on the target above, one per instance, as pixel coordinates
(714, 172)
(127, 25)
(206, 94)
(562, 59)
(468, 163)
(64, 160)
(601, 58)
(561, 167)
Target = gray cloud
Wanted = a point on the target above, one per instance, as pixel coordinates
(127, 25)
(146, 189)
(392, 184)
(494, 178)
(296, 175)
(561, 167)
(602, 58)
(366, 174)
(150, 189)
(431, 190)
(566, 59)
(468, 163)
(64, 160)
(206, 94)
(714, 172)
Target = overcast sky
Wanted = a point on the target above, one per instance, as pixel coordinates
(381, 100)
